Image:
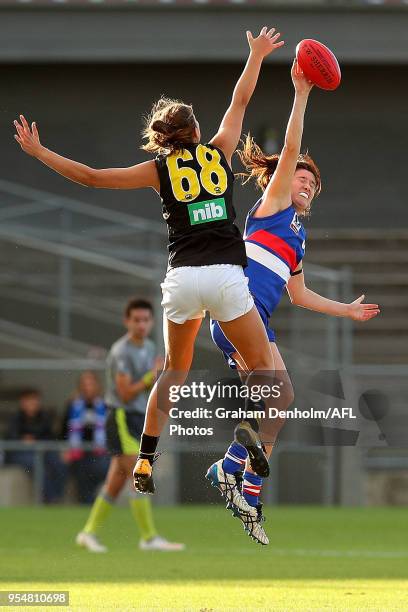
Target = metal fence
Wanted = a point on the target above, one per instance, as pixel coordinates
(75, 258)
(66, 270)
(79, 263)
(167, 473)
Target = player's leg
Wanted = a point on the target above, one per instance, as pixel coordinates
(179, 345)
(120, 470)
(179, 349)
(142, 513)
(247, 334)
(123, 430)
(281, 402)
(226, 473)
(140, 507)
(237, 456)
(120, 443)
(130, 430)
(252, 483)
(102, 507)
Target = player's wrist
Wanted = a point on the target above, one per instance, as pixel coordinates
(41, 152)
(346, 311)
(256, 54)
(148, 380)
(301, 94)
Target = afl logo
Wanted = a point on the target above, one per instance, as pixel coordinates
(295, 225)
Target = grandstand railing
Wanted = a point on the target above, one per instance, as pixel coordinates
(38, 448)
(329, 493)
(85, 260)
(60, 232)
(173, 454)
(337, 464)
(92, 271)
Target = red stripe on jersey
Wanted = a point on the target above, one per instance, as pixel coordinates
(251, 492)
(249, 484)
(282, 248)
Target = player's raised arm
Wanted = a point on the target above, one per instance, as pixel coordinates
(134, 177)
(229, 132)
(300, 295)
(277, 195)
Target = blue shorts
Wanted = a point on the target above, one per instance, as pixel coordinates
(225, 345)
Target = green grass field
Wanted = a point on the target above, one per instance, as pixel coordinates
(318, 559)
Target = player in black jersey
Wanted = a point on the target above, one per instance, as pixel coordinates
(206, 250)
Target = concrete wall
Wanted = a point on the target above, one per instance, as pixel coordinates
(197, 33)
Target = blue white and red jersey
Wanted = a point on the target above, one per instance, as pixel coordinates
(275, 245)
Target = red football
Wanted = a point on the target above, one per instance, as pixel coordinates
(318, 63)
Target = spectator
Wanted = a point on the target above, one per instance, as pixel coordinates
(31, 423)
(84, 421)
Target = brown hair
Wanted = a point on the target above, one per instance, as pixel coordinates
(135, 304)
(261, 167)
(29, 392)
(169, 126)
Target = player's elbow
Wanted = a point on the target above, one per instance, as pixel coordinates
(97, 178)
(290, 147)
(240, 101)
(296, 298)
(292, 298)
(92, 178)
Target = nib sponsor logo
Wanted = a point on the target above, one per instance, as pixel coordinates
(204, 212)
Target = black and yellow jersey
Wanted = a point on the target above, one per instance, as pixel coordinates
(196, 185)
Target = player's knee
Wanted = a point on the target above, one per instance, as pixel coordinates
(260, 362)
(112, 489)
(180, 362)
(121, 470)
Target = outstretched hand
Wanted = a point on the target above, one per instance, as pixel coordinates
(362, 312)
(28, 138)
(266, 42)
(301, 84)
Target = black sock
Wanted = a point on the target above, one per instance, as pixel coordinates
(253, 423)
(252, 406)
(148, 445)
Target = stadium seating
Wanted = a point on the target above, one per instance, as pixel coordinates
(378, 261)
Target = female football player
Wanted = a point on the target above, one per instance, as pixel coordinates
(275, 245)
(206, 250)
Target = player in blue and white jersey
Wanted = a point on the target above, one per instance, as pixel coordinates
(275, 246)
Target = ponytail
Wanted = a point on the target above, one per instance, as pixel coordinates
(261, 167)
(169, 126)
(258, 166)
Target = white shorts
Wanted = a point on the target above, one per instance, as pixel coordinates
(221, 289)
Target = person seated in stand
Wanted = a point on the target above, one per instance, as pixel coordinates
(29, 424)
(84, 421)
